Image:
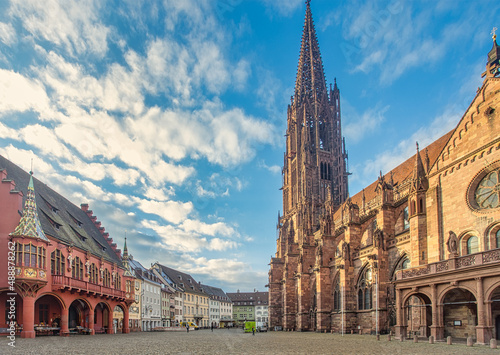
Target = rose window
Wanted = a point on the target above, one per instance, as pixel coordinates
(487, 193)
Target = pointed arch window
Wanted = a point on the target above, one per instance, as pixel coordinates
(336, 296)
(406, 221)
(365, 289)
(498, 238)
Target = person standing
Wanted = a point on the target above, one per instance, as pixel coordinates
(212, 327)
(187, 327)
(253, 331)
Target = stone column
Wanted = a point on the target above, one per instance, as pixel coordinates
(483, 332)
(400, 327)
(436, 328)
(91, 321)
(64, 321)
(126, 328)
(28, 317)
(110, 322)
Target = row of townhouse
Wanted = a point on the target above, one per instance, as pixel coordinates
(165, 297)
(63, 273)
(250, 306)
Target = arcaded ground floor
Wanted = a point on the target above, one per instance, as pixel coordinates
(231, 341)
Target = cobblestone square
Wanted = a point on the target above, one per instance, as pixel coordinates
(232, 341)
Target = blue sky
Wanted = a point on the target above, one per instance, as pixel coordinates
(167, 117)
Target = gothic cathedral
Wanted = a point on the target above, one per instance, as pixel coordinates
(417, 252)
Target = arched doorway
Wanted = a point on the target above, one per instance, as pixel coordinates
(418, 315)
(48, 309)
(459, 314)
(118, 314)
(101, 318)
(495, 312)
(78, 315)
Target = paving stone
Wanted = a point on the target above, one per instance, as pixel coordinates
(224, 341)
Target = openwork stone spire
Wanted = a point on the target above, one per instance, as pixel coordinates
(29, 225)
(310, 81)
(419, 181)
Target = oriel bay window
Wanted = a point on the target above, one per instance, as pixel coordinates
(57, 262)
(30, 255)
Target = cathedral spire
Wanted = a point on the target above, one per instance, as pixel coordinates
(310, 81)
(29, 225)
(419, 181)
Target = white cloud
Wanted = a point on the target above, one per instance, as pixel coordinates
(171, 211)
(198, 227)
(283, 7)
(360, 124)
(160, 194)
(7, 33)
(237, 273)
(275, 169)
(72, 25)
(368, 171)
(218, 185)
(18, 93)
(393, 37)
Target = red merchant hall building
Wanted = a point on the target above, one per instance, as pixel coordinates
(69, 275)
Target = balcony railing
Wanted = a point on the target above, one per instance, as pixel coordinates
(71, 283)
(466, 261)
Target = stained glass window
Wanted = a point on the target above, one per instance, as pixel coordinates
(487, 194)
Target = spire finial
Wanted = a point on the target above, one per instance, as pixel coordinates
(308, 3)
(417, 146)
(31, 170)
(494, 34)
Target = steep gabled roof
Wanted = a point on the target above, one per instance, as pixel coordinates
(189, 284)
(59, 218)
(216, 293)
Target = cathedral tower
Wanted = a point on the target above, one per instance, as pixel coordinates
(314, 180)
(315, 159)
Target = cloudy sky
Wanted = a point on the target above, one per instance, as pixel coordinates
(167, 117)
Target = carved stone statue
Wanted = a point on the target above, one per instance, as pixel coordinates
(378, 239)
(346, 251)
(452, 243)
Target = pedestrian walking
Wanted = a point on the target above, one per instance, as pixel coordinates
(253, 331)
(187, 327)
(212, 327)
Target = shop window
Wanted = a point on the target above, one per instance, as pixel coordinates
(43, 313)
